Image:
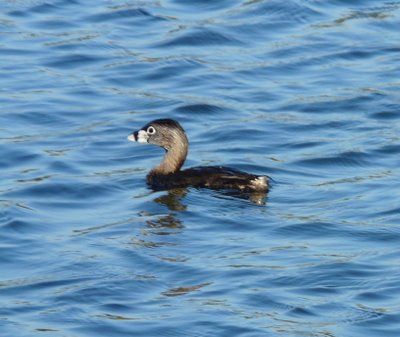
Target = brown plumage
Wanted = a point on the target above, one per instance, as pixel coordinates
(169, 134)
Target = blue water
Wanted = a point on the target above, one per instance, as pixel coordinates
(305, 91)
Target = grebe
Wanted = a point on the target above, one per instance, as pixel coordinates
(170, 135)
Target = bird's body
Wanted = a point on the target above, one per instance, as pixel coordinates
(215, 177)
(168, 134)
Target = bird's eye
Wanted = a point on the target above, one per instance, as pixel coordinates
(151, 130)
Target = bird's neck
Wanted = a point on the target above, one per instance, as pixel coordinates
(173, 160)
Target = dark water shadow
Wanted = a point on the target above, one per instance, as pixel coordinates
(257, 198)
(168, 223)
(172, 200)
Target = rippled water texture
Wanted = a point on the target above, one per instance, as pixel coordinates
(305, 91)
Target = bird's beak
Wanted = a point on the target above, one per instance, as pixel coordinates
(140, 136)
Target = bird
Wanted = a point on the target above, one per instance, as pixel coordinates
(169, 134)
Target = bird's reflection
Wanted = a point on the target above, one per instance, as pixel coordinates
(257, 198)
(168, 223)
(165, 225)
(173, 199)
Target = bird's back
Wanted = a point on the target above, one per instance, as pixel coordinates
(215, 177)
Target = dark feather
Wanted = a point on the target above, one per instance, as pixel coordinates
(216, 177)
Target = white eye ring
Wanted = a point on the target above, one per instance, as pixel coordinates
(151, 130)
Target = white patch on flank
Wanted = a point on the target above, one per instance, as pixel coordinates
(260, 183)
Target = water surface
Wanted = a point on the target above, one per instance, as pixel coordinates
(304, 91)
